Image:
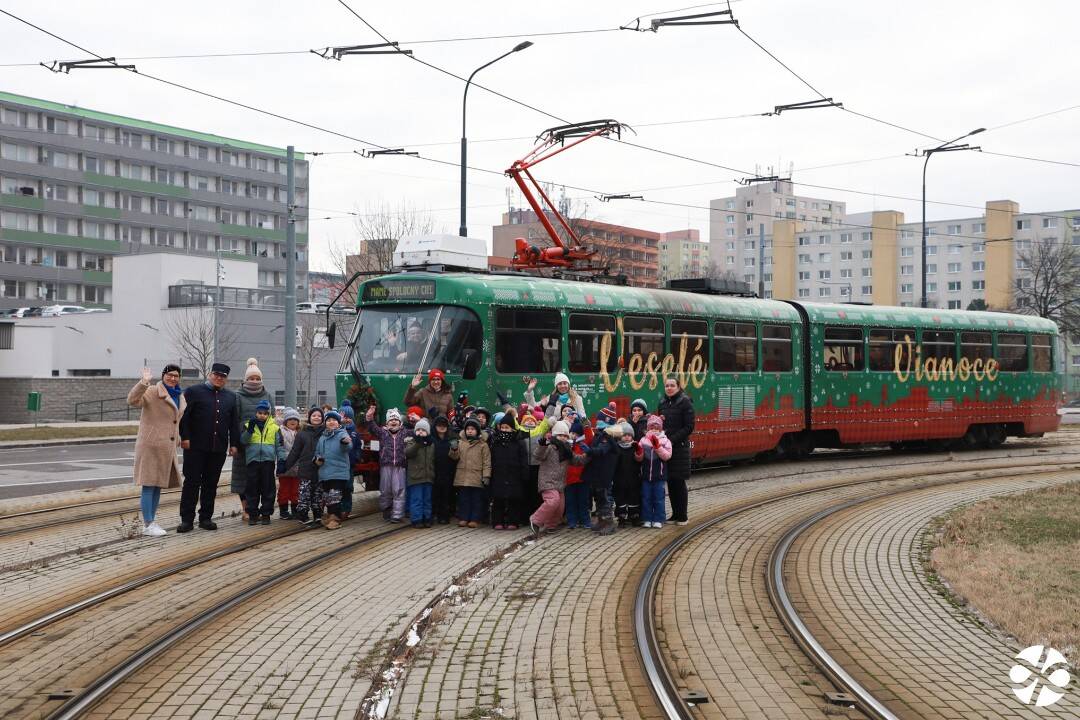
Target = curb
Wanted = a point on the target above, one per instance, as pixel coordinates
(29, 444)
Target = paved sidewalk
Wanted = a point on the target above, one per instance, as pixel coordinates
(862, 590)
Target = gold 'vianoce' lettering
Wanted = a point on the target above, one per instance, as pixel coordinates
(908, 353)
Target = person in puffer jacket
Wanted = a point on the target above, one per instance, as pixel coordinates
(533, 425)
(261, 448)
(627, 478)
(472, 475)
(600, 472)
(577, 490)
(555, 455)
(654, 450)
(420, 455)
(288, 475)
(391, 462)
(332, 458)
(301, 456)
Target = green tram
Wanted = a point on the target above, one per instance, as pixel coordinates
(765, 376)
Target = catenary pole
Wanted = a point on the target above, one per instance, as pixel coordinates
(761, 261)
(290, 281)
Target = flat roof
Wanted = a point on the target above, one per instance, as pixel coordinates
(50, 106)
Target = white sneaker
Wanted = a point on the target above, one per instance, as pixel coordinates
(154, 530)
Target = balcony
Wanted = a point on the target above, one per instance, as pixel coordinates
(204, 295)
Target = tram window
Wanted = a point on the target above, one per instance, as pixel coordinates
(459, 331)
(642, 336)
(775, 348)
(883, 344)
(976, 346)
(1012, 352)
(1041, 355)
(392, 338)
(938, 344)
(843, 349)
(527, 341)
(734, 347)
(697, 340)
(586, 331)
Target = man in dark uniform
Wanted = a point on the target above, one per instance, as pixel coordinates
(209, 430)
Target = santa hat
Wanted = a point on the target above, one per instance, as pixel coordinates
(655, 422)
(252, 368)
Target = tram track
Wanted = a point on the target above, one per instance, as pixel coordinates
(661, 677)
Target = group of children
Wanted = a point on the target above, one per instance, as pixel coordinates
(534, 464)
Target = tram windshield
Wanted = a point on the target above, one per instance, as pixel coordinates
(392, 339)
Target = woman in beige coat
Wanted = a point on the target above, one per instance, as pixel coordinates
(162, 406)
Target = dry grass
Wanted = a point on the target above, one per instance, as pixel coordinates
(1016, 560)
(68, 433)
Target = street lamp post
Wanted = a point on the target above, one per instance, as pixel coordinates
(944, 147)
(462, 230)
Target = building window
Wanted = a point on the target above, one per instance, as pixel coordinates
(729, 232)
(978, 228)
(804, 240)
(729, 219)
(805, 293)
(954, 229)
(954, 286)
(824, 257)
(824, 240)
(845, 238)
(931, 268)
(907, 252)
(845, 272)
(804, 274)
(978, 284)
(931, 250)
(824, 274)
(867, 289)
(824, 292)
(906, 288)
(867, 236)
(931, 287)
(954, 305)
(868, 272)
(1049, 223)
(907, 269)
(1023, 224)
(955, 249)
(804, 259)
(954, 267)
(867, 254)
(978, 266)
(978, 247)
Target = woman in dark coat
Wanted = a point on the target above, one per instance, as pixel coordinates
(678, 412)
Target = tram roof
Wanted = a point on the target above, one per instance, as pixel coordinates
(888, 315)
(520, 290)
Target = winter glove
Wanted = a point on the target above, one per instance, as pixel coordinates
(345, 440)
(251, 426)
(280, 467)
(543, 441)
(485, 481)
(655, 442)
(318, 461)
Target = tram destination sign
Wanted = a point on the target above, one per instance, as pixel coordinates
(399, 290)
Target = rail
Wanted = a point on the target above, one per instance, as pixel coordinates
(101, 412)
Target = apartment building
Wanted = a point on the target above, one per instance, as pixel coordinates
(628, 251)
(683, 255)
(79, 187)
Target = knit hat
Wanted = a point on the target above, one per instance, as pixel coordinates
(471, 422)
(561, 377)
(252, 368)
(463, 397)
(627, 428)
(347, 411)
(641, 404)
(263, 405)
(655, 422)
(332, 415)
(538, 413)
(434, 373)
(393, 414)
(416, 410)
(441, 420)
(522, 411)
(497, 419)
(606, 416)
(576, 427)
(560, 428)
(482, 411)
(346, 403)
(290, 414)
(422, 424)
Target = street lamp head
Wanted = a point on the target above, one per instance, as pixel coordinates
(522, 46)
(976, 132)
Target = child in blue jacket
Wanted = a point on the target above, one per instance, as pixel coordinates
(332, 458)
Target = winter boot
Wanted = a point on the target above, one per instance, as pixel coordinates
(607, 526)
(283, 510)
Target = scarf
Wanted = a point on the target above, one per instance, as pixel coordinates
(253, 386)
(423, 440)
(626, 444)
(174, 393)
(504, 437)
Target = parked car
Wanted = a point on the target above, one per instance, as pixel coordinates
(310, 307)
(58, 310)
(14, 312)
(95, 310)
(33, 312)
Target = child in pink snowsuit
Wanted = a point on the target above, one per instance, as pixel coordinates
(554, 453)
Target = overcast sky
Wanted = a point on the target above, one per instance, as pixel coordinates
(941, 68)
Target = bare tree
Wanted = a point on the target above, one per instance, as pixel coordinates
(192, 333)
(1049, 283)
(312, 346)
(378, 230)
